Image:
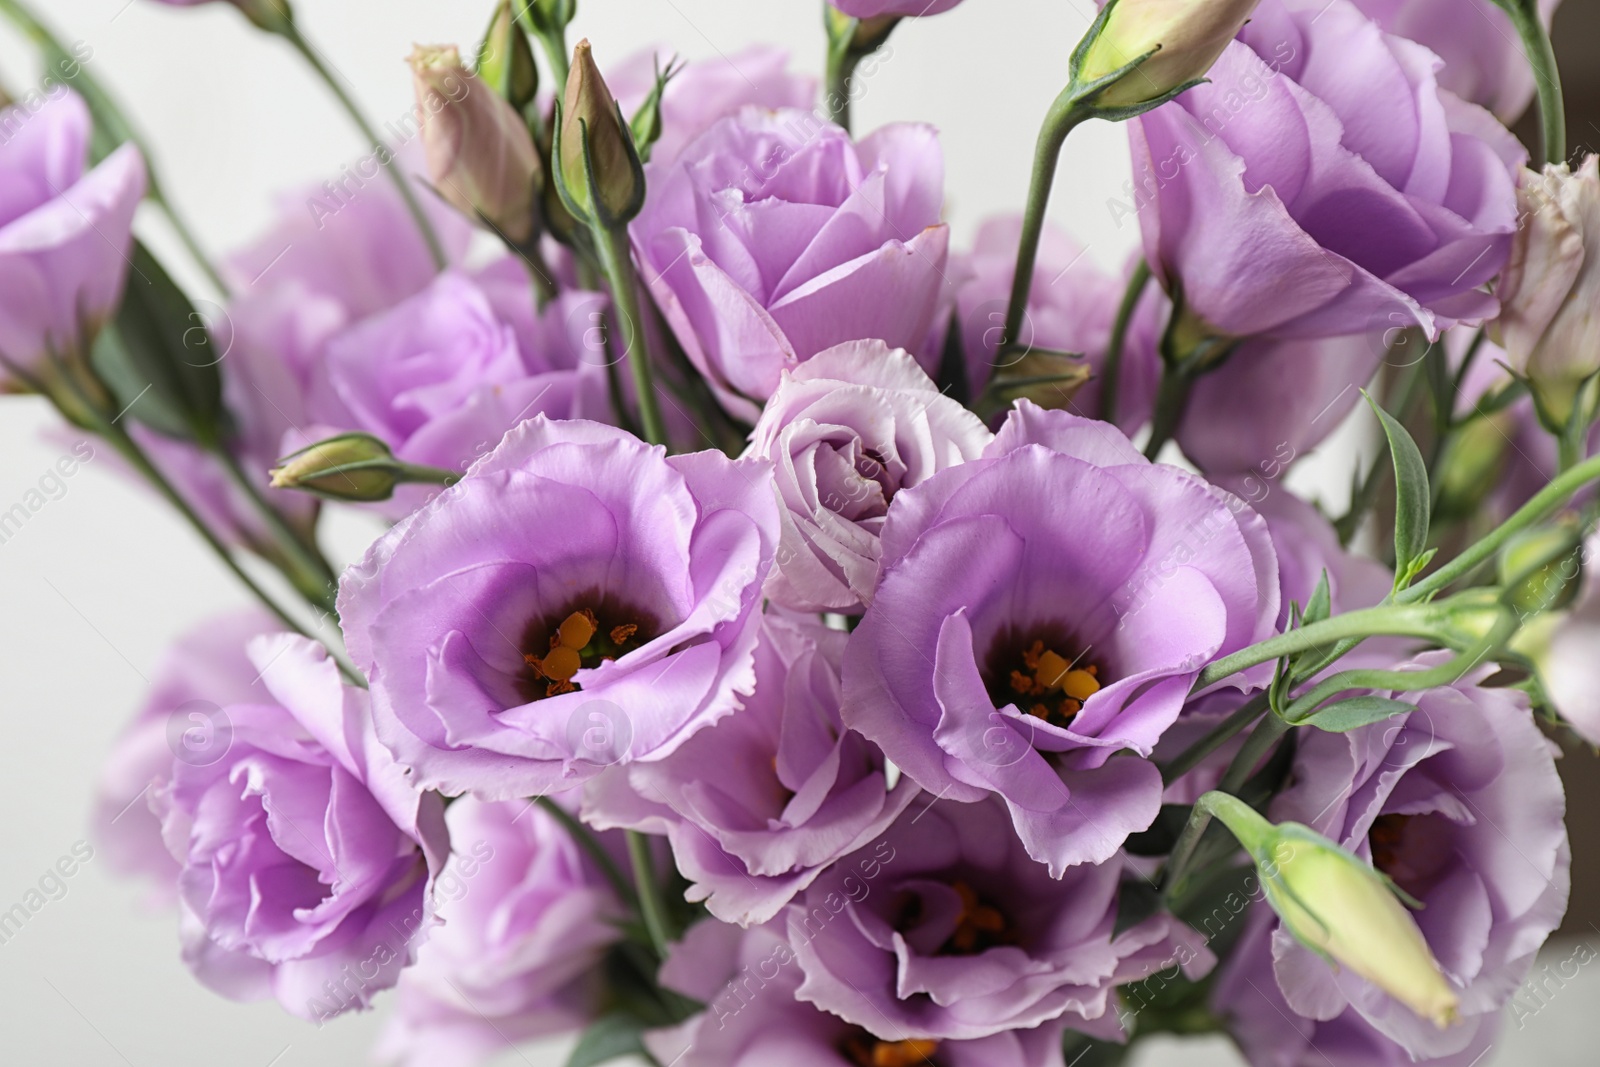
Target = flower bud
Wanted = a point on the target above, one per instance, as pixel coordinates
(600, 174)
(274, 16)
(1550, 291)
(352, 466)
(480, 155)
(1049, 379)
(1340, 907)
(505, 59)
(1540, 568)
(552, 16)
(1159, 47)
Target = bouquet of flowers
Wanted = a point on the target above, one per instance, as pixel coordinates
(793, 640)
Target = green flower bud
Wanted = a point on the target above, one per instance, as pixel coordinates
(480, 155)
(1340, 907)
(1049, 379)
(1157, 46)
(1540, 568)
(600, 175)
(352, 466)
(274, 16)
(505, 59)
(1473, 464)
(552, 16)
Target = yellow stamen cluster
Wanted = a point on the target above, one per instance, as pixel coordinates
(564, 660)
(867, 1051)
(980, 925)
(1050, 687)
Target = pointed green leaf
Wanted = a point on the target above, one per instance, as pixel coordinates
(1413, 497)
(161, 359)
(1356, 712)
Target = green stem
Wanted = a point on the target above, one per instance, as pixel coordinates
(1397, 620)
(1542, 58)
(596, 851)
(1544, 504)
(617, 258)
(186, 236)
(1064, 115)
(1172, 396)
(1111, 372)
(1221, 734)
(1260, 742)
(305, 566)
(651, 909)
(841, 66)
(291, 33)
(1304, 708)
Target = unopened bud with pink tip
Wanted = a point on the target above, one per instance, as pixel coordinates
(480, 154)
(600, 175)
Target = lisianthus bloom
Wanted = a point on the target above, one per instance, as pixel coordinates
(773, 237)
(1270, 1034)
(1459, 804)
(1549, 290)
(181, 718)
(577, 600)
(747, 980)
(708, 89)
(792, 792)
(525, 919)
(308, 856)
(946, 929)
(442, 375)
(1288, 198)
(1296, 394)
(1011, 650)
(1072, 307)
(65, 230)
(846, 431)
(1484, 62)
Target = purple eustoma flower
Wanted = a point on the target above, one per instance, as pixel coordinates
(308, 857)
(1322, 184)
(525, 921)
(65, 230)
(578, 599)
(1484, 62)
(1044, 608)
(747, 979)
(791, 792)
(1459, 803)
(206, 669)
(846, 431)
(946, 929)
(441, 376)
(774, 236)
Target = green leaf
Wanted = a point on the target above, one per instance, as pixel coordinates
(1320, 606)
(160, 358)
(1413, 497)
(610, 1037)
(1356, 712)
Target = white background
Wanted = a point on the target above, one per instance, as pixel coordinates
(97, 583)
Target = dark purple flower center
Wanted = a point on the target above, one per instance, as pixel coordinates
(979, 927)
(865, 1050)
(1041, 674)
(591, 630)
(1411, 849)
